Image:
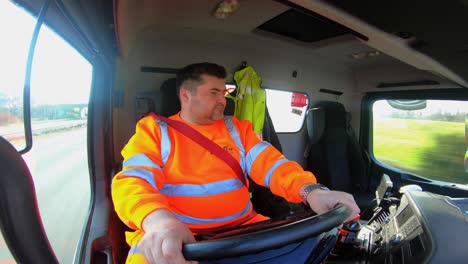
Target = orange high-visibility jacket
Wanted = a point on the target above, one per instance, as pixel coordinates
(162, 168)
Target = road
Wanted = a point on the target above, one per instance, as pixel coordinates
(58, 163)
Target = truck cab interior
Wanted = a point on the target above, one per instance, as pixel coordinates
(364, 70)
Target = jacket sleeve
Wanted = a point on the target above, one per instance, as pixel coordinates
(135, 189)
(268, 167)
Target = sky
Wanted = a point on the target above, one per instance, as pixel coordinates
(60, 75)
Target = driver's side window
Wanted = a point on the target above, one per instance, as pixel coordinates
(60, 87)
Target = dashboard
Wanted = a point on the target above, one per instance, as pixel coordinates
(418, 227)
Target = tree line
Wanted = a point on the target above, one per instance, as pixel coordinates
(438, 116)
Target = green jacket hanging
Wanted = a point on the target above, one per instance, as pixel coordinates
(250, 99)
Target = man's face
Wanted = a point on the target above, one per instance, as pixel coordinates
(206, 104)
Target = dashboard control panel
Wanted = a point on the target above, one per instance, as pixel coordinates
(408, 226)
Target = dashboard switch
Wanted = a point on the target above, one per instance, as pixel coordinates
(395, 239)
(378, 229)
(378, 240)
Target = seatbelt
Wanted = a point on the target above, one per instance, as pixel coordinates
(203, 141)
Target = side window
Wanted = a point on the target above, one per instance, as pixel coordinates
(60, 90)
(429, 142)
(230, 88)
(287, 109)
(12, 67)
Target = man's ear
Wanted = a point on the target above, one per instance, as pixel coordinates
(184, 95)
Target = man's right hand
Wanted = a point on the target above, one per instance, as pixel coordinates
(163, 238)
(322, 201)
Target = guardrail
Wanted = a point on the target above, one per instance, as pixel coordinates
(16, 132)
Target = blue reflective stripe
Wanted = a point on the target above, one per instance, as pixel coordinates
(194, 220)
(234, 133)
(142, 174)
(271, 170)
(201, 189)
(243, 166)
(253, 153)
(140, 160)
(133, 250)
(165, 141)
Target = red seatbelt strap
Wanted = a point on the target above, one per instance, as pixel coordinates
(203, 141)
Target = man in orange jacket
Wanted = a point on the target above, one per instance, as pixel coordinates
(170, 187)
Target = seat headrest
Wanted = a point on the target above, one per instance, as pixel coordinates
(170, 104)
(335, 114)
(325, 116)
(315, 122)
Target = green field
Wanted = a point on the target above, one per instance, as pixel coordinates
(432, 149)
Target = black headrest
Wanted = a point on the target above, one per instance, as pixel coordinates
(335, 114)
(315, 122)
(324, 116)
(170, 104)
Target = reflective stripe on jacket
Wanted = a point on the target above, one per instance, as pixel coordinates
(164, 169)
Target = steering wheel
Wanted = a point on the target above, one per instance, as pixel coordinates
(270, 238)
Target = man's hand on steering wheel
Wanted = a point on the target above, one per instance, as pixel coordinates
(163, 239)
(322, 201)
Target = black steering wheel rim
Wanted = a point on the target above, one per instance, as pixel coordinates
(266, 239)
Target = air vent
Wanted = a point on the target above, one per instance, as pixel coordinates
(330, 91)
(382, 219)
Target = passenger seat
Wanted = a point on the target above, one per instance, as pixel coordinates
(333, 152)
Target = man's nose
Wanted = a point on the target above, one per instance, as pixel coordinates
(222, 99)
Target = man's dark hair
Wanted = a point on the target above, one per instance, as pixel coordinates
(190, 75)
